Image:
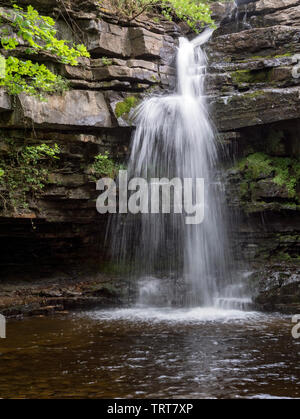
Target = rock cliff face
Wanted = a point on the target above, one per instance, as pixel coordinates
(253, 87)
(254, 90)
(60, 228)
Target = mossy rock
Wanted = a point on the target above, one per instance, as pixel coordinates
(124, 107)
(251, 76)
(267, 183)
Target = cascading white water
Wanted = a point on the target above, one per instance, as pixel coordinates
(241, 24)
(174, 137)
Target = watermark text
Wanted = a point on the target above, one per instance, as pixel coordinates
(154, 196)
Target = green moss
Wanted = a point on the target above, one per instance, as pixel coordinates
(111, 268)
(254, 95)
(255, 206)
(251, 76)
(106, 61)
(266, 57)
(284, 256)
(255, 166)
(291, 206)
(125, 106)
(287, 238)
(283, 177)
(283, 171)
(25, 172)
(38, 33)
(287, 54)
(155, 79)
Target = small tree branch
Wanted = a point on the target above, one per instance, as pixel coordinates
(150, 4)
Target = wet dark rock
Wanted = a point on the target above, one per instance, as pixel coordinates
(72, 110)
(253, 108)
(261, 14)
(61, 227)
(277, 288)
(56, 295)
(266, 188)
(253, 91)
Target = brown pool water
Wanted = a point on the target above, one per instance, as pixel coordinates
(151, 353)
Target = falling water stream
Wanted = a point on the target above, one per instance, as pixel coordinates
(184, 264)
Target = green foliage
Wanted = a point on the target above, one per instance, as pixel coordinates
(31, 78)
(251, 76)
(256, 166)
(103, 166)
(287, 172)
(193, 12)
(265, 57)
(125, 106)
(39, 34)
(254, 95)
(25, 171)
(106, 61)
(283, 170)
(286, 257)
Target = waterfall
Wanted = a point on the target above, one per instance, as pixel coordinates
(174, 137)
(243, 24)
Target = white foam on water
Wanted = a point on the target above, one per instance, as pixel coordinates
(171, 315)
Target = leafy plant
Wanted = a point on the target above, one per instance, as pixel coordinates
(283, 170)
(193, 12)
(103, 166)
(106, 61)
(125, 106)
(287, 172)
(255, 166)
(31, 78)
(24, 171)
(39, 35)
